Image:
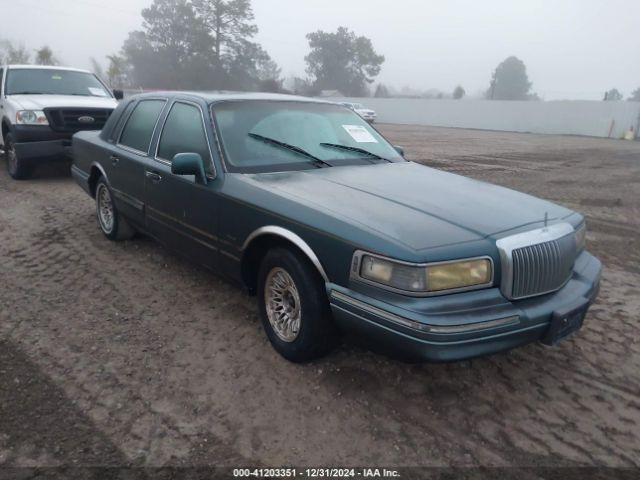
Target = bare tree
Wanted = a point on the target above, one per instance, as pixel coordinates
(11, 53)
(44, 56)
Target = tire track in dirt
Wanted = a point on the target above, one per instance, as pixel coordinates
(170, 364)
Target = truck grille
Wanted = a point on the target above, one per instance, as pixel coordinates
(76, 119)
(537, 262)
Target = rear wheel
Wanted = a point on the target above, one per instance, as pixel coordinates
(294, 307)
(113, 225)
(18, 169)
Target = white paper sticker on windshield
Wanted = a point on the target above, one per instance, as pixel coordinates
(98, 92)
(360, 134)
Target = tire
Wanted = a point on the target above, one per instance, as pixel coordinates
(114, 226)
(305, 296)
(18, 169)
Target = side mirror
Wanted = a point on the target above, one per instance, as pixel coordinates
(189, 164)
(400, 150)
(118, 94)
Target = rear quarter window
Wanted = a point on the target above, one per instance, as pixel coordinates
(139, 128)
(122, 112)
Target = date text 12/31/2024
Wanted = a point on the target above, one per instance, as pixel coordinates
(315, 473)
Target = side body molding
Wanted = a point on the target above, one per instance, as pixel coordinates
(293, 238)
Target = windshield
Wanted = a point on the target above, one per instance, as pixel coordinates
(54, 82)
(268, 136)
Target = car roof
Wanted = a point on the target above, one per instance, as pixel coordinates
(44, 67)
(222, 96)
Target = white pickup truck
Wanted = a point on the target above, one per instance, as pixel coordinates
(42, 107)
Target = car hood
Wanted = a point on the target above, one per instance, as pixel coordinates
(413, 205)
(40, 102)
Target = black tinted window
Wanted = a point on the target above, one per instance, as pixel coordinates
(126, 110)
(184, 133)
(138, 131)
(1, 72)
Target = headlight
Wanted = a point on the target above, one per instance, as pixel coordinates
(581, 237)
(31, 117)
(429, 278)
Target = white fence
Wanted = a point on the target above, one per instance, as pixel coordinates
(596, 119)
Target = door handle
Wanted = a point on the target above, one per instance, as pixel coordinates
(154, 177)
(114, 160)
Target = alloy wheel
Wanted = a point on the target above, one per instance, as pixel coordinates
(283, 307)
(106, 214)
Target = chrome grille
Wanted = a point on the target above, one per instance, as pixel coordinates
(543, 268)
(537, 262)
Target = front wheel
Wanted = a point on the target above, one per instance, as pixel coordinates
(293, 306)
(18, 169)
(113, 225)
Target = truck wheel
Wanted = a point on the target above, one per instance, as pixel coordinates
(18, 169)
(113, 225)
(293, 306)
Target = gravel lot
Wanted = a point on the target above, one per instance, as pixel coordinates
(125, 354)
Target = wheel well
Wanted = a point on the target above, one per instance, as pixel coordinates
(256, 251)
(94, 176)
(5, 129)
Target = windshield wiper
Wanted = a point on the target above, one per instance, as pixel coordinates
(316, 161)
(355, 149)
(27, 93)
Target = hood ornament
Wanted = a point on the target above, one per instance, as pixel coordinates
(546, 219)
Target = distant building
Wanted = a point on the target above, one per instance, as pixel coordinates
(331, 93)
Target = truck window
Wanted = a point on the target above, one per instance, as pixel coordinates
(138, 131)
(1, 82)
(184, 133)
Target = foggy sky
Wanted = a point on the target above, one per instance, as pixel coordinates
(573, 49)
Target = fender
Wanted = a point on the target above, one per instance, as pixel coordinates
(90, 179)
(99, 167)
(7, 122)
(293, 238)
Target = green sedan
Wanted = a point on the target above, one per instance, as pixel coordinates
(308, 207)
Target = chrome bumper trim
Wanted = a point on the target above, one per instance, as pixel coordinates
(445, 329)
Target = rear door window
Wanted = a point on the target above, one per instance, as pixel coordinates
(184, 133)
(139, 129)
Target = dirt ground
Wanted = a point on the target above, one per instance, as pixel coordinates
(124, 354)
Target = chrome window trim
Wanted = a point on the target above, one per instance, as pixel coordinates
(214, 126)
(293, 238)
(356, 263)
(507, 245)
(133, 150)
(206, 134)
(424, 327)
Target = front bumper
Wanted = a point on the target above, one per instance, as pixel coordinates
(40, 143)
(460, 326)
